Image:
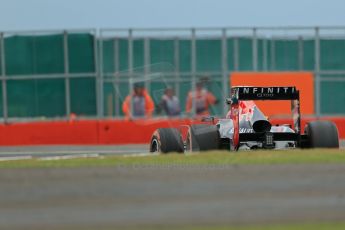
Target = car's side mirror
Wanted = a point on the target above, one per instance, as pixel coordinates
(228, 101)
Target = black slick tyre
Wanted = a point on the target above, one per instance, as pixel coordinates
(165, 140)
(322, 134)
(202, 138)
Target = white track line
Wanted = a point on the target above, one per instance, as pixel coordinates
(74, 152)
(15, 158)
(140, 155)
(66, 157)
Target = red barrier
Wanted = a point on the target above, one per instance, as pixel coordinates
(49, 133)
(93, 132)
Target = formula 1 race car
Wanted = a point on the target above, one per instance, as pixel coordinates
(246, 127)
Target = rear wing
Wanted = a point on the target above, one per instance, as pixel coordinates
(263, 93)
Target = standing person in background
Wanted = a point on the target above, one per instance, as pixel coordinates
(140, 101)
(170, 103)
(202, 98)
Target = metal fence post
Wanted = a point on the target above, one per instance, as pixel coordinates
(130, 65)
(224, 67)
(273, 55)
(98, 53)
(116, 70)
(116, 55)
(130, 51)
(193, 67)
(236, 54)
(147, 63)
(3, 76)
(66, 69)
(317, 71)
(264, 54)
(300, 53)
(177, 66)
(255, 51)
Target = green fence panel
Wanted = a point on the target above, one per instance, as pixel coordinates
(286, 54)
(138, 55)
(1, 102)
(333, 91)
(270, 66)
(260, 54)
(83, 96)
(245, 47)
(123, 55)
(309, 55)
(32, 98)
(34, 54)
(110, 53)
(185, 55)
(332, 54)
(81, 55)
(19, 55)
(108, 56)
(48, 54)
(162, 51)
(230, 53)
(44, 55)
(209, 55)
(50, 97)
(0, 59)
(21, 98)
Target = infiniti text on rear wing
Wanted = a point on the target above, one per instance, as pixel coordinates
(264, 93)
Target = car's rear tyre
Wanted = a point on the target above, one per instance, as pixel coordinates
(202, 138)
(166, 140)
(322, 134)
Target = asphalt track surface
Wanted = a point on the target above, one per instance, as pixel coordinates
(139, 196)
(71, 150)
(117, 197)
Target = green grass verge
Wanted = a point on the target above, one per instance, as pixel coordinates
(206, 158)
(308, 226)
(287, 226)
